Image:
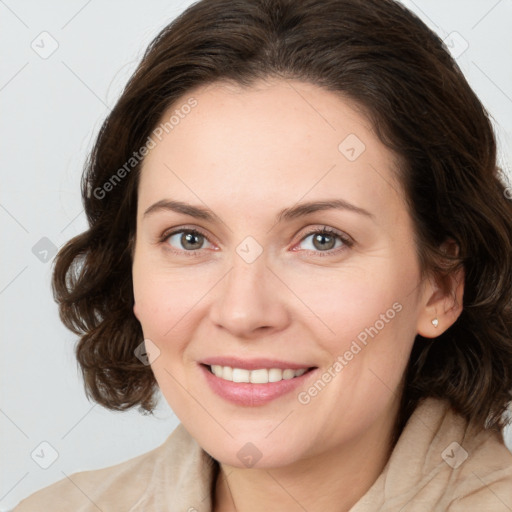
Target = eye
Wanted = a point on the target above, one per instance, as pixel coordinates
(185, 241)
(326, 240)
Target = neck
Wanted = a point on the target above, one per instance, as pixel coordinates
(331, 481)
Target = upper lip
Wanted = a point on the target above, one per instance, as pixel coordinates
(253, 364)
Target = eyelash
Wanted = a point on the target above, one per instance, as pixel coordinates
(348, 243)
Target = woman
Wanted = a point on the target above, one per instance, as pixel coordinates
(299, 235)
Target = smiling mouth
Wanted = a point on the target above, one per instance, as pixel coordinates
(257, 376)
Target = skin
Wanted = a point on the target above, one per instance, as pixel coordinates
(246, 154)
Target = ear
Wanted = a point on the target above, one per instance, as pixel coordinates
(135, 312)
(442, 300)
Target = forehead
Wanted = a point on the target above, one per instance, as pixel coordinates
(273, 142)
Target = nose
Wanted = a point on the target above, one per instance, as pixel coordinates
(250, 300)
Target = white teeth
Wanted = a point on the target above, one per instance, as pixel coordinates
(275, 375)
(288, 374)
(260, 376)
(240, 375)
(227, 373)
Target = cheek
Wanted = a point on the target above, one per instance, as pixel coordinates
(167, 303)
(159, 308)
(346, 303)
(154, 300)
(158, 297)
(363, 320)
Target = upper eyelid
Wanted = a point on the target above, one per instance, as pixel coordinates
(174, 231)
(347, 240)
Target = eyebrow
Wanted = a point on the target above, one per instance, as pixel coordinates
(286, 214)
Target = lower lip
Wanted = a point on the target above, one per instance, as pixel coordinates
(247, 394)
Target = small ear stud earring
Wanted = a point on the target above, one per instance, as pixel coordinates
(435, 322)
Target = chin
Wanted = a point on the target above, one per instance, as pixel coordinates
(251, 456)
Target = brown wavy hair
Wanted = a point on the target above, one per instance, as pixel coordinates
(384, 58)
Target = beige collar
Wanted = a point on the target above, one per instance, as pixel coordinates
(427, 466)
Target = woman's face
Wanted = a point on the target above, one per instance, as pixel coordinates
(254, 172)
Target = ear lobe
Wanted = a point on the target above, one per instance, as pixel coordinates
(444, 303)
(135, 312)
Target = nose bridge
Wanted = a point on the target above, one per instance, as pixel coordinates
(249, 298)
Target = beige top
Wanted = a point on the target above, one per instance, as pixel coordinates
(438, 464)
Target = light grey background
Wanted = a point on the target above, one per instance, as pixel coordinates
(51, 109)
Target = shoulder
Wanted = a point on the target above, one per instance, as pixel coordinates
(453, 466)
(472, 465)
(484, 479)
(495, 496)
(118, 487)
